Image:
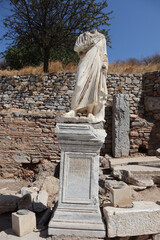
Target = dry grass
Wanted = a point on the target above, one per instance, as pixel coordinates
(53, 67)
(57, 67)
(129, 68)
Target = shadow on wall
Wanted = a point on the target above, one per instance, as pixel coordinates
(107, 148)
(151, 101)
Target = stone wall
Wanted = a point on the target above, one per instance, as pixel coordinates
(26, 138)
(53, 92)
(151, 89)
(127, 84)
(29, 105)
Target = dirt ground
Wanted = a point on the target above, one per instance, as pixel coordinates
(13, 185)
(148, 194)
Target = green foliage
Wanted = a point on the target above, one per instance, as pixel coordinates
(3, 64)
(18, 57)
(64, 55)
(53, 24)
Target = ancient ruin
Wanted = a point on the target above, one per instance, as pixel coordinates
(90, 91)
(81, 139)
(122, 154)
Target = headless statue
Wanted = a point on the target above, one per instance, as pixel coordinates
(90, 92)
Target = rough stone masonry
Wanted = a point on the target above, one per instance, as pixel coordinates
(29, 105)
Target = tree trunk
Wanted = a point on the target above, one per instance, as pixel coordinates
(46, 60)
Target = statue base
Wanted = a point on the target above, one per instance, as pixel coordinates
(78, 210)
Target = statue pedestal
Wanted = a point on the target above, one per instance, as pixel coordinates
(78, 210)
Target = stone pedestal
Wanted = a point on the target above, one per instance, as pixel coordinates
(78, 210)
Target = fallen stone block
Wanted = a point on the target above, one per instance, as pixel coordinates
(142, 219)
(23, 224)
(40, 203)
(144, 176)
(39, 199)
(29, 190)
(51, 185)
(143, 161)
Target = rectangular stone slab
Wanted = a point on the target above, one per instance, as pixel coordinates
(142, 219)
(77, 178)
(120, 125)
(148, 160)
(138, 175)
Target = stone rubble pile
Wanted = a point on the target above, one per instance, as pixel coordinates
(121, 180)
(29, 106)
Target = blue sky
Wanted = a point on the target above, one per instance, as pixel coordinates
(4, 10)
(134, 30)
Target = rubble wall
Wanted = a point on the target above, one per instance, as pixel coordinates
(151, 89)
(26, 139)
(30, 103)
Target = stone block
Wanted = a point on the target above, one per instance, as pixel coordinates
(51, 185)
(40, 203)
(142, 219)
(120, 126)
(144, 176)
(23, 224)
(121, 196)
(39, 199)
(142, 160)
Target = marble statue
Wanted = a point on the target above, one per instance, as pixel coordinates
(90, 92)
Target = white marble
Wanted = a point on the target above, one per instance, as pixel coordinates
(23, 224)
(78, 210)
(142, 219)
(90, 92)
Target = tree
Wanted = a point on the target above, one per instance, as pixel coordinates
(51, 24)
(20, 56)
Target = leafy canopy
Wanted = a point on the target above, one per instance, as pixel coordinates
(48, 25)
